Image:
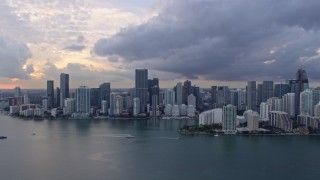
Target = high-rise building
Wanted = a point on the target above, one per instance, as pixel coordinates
(251, 95)
(151, 83)
(214, 96)
(187, 90)
(265, 108)
(267, 90)
(234, 97)
(154, 105)
(289, 104)
(252, 118)
(192, 100)
(83, 99)
(70, 106)
(64, 88)
(57, 97)
(179, 93)
(259, 94)
(94, 97)
(112, 104)
(136, 106)
(241, 99)
(50, 93)
(281, 120)
(104, 107)
(155, 90)
(169, 97)
(229, 119)
(222, 96)
(197, 94)
(317, 110)
(306, 102)
(301, 84)
(17, 92)
(141, 85)
(281, 89)
(104, 92)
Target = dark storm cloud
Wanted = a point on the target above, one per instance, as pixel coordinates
(224, 40)
(78, 45)
(13, 57)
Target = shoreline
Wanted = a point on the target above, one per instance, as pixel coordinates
(239, 134)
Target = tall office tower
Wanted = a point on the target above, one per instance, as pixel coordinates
(192, 100)
(112, 103)
(179, 93)
(267, 90)
(278, 104)
(281, 89)
(154, 105)
(281, 120)
(317, 110)
(197, 94)
(222, 96)
(302, 83)
(26, 99)
(151, 83)
(229, 119)
(45, 104)
(214, 96)
(64, 88)
(136, 106)
(292, 85)
(241, 99)
(161, 98)
(187, 90)
(94, 97)
(50, 93)
(57, 97)
(259, 94)
(17, 92)
(306, 102)
(104, 92)
(251, 95)
(155, 90)
(289, 104)
(141, 85)
(70, 106)
(265, 108)
(83, 99)
(169, 97)
(234, 98)
(252, 118)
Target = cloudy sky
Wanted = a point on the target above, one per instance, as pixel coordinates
(210, 42)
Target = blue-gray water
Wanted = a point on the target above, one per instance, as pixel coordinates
(98, 149)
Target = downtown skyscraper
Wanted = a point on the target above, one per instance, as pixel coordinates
(141, 86)
(50, 94)
(251, 95)
(301, 84)
(64, 88)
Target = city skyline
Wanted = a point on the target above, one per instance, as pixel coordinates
(97, 41)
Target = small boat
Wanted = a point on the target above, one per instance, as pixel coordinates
(216, 135)
(3, 137)
(130, 136)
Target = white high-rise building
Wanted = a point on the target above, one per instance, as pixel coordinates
(241, 99)
(179, 93)
(83, 99)
(104, 107)
(281, 120)
(169, 97)
(278, 104)
(289, 103)
(191, 110)
(70, 106)
(175, 111)
(113, 104)
(168, 110)
(213, 116)
(136, 106)
(264, 110)
(45, 104)
(183, 110)
(229, 119)
(306, 102)
(317, 110)
(119, 104)
(26, 99)
(252, 118)
(192, 100)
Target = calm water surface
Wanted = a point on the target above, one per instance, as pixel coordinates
(98, 149)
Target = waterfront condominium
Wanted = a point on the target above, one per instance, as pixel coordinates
(141, 85)
(83, 99)
(229, 119)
